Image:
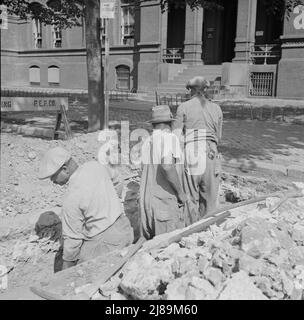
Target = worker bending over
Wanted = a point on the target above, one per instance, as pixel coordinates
(93, 222)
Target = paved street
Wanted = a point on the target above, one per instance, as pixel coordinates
(274, 145)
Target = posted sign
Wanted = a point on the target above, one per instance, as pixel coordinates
(33, 104)
(107, 9)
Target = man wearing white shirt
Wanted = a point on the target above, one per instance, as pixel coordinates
(161, 193)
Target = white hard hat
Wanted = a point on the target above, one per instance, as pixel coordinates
(52, 161)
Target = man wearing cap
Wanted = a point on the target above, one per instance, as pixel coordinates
(201, 123)
(92, 220)
(161, 194)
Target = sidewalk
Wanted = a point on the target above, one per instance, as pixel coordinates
(247, 145)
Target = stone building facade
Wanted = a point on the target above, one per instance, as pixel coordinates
(258, 53)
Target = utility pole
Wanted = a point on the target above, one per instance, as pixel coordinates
(107, 11)
(106, 74)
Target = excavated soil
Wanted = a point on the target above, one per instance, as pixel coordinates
(30, 208)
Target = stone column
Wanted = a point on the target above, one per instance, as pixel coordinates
(149, 45)
(193, 36)
(291, 66)
(245, 33)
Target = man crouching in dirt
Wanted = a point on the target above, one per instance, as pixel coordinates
(92, 220)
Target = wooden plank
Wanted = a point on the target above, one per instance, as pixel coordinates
(57, 125)
(67, 127)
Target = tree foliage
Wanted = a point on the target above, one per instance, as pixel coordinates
(64, 13)
(67, 13)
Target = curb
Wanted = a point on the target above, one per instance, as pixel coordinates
(292, 171)
(30, 131)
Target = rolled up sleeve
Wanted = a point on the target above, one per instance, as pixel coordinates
(72, 225)
(71, 249)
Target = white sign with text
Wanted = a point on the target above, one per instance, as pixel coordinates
(33, 104)
(107, 9)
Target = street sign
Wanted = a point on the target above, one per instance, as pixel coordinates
(107, 9)
(3, 17)
(33, 104)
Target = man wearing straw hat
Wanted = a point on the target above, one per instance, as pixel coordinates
(201, 123)
(161, 193)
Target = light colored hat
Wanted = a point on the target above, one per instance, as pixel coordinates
(52, 161)
(161, 113)
(198, 83)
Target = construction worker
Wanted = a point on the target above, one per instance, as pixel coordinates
(93, 222)
(201, 123)
(161, 193)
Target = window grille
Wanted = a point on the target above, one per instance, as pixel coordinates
(123, 77)
(57, 37)
(127, 24)
(172, 55)
(265, 53)
(261, 84)
(37, 32)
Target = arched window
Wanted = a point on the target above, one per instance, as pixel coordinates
(34, 75)
(123, 77)
(53, 75)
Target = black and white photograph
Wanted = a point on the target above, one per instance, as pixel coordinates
(152, 150)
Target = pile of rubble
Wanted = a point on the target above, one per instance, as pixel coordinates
(253, 255)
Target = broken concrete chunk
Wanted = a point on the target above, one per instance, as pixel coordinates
(176, 289)
(264, 284)
(215, 276)
(117, 296)
(250, 265)
(185, 265)
(147, 281)
(241, 287)
(296, 255)
(298, 234)
(205, 286)
(288, 284)
(169, 251)
(190, 241)
(192, 293)
(190, 288)
(279, 259)
(202, 264)
(258, 238)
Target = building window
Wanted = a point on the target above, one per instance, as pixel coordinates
(123, 77)
(53, 75)
(57, 36)
(37, 32)
(34, 75)
(127, 22)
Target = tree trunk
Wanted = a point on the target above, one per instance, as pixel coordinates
(96, 110)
